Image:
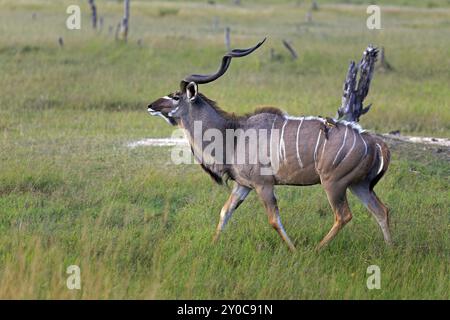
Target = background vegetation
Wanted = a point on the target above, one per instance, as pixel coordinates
(72, 192)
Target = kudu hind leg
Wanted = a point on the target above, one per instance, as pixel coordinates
(379, 211)
(266, 193)
(342, 214)
(237, 196)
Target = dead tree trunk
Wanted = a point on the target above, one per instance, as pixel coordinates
(100, 24)
(125, 19)
(356, 91)
(291, 50)
(116, 34)
(309, 17)
(215, 23)
(93, 14)
(383, 64)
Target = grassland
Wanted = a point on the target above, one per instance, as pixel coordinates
(71, 192)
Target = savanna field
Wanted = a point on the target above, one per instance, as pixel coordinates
(73, 193)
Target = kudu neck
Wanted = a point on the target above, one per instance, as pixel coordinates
(206, 113)
(203, 121)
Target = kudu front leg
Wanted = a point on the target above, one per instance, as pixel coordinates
(237, 196)
(266, 193)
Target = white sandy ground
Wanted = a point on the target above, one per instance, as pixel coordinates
(158, 142)
(425, 140)
(167, 142)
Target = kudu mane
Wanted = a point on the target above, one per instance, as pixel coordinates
(232, 118)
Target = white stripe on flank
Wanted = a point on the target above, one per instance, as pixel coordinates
(298, 153)
(354, 125)
(365, 146)
(282, 145)
(323, 149)
(382, 160)
(317, 144)
(353, 146)
(342, 146)
(271, 131)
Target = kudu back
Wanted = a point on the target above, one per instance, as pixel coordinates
(299, 151)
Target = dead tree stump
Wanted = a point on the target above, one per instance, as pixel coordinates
(93, 14)
(125, 20)
(227, 38)
(355, 91)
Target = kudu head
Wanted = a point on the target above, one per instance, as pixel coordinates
(178, 104)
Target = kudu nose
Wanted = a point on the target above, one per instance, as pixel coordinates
(149, 107)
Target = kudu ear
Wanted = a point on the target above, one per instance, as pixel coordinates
(183, 85)
(191, 91)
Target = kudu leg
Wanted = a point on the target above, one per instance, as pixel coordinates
(266, 193)
(379, 211)
(237, 196)
(338, 201)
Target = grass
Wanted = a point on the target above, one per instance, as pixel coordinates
(71, 192)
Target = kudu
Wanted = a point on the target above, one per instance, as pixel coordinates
(309, 150)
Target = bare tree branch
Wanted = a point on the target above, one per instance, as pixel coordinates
(291, 50)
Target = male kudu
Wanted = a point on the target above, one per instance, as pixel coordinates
(309, 150)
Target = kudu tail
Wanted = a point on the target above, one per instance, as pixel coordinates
(382, 164)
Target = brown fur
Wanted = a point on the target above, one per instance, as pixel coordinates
(232, 117)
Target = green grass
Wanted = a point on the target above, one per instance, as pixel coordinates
(71, 192)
